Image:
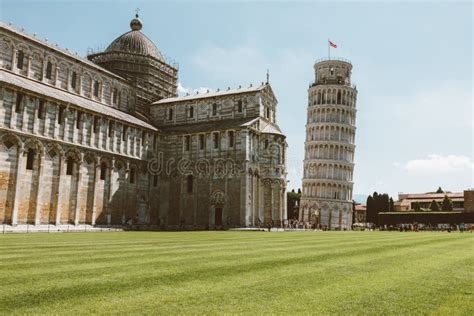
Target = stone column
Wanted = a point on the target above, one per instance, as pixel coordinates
(59, 193)
(94, 190)
(78, 193)
(39, 189)
(14, 68)
(43, 69)
(56, 76)
(111, 191)
(19, 169)
(79, 83)
(272, 200)
(261, 204)
(28, 65)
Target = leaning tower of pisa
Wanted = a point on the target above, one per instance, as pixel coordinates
(329, 147)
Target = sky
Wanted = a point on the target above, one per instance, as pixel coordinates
(412, 65)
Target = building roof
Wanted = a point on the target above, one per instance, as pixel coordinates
(429, 196)
(58, 49)
(211, 94)
(135, 42)
(67, 97)
(360, 207)
(269, 128)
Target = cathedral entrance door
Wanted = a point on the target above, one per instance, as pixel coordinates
(218, 217)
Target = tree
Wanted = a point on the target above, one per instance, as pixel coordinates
(384, 203)
(416, 206)
(434, 207)
(439, 190)
(447, 204)
(292, 200)
(369, 212)
(391, 205)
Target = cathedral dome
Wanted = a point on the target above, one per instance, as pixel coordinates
(135, 42)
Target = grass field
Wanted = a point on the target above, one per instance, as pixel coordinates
(237, 272)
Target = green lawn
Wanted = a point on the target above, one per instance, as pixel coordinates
(237, 272)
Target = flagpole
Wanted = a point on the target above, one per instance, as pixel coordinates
(329, 51)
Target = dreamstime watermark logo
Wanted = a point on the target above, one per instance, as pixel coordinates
(270, 162)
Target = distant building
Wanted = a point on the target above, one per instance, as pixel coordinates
(407, 201)
(469, 200)
(360, 213)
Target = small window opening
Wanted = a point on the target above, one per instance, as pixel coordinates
(20, 59)
(216, 140)
(96, 88)
(60, 115)
(78, 121)
(201, 141)
(124, 133)
(96, 124)
(231, 139)
(214, 109)
(111, 128)
(114, 96)
(73, 80)
(239, 106)
(41, 109)
(19, 103)
(49, 70)
(189, 183)
(69, 166)
(187, 142)
(103, 170)
(30, 158)
(132, 175)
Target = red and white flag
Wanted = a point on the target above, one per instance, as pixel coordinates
(332, 44)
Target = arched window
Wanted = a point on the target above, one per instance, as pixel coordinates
(239, 106)
(170, 114)
(69, 166)
(231, 139)
(216, 140)
(339, 97)
(214, 109)
(114, 96)
(73, 80)
(19, 103)
(20, 59)
(103, 170)
(30, 158)
(191, 112)
(49, 70)
(96, 88)
(189, 183)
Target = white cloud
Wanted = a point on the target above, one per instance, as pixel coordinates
(182, 90)
(438, 164)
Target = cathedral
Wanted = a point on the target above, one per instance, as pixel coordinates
(106, 141)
